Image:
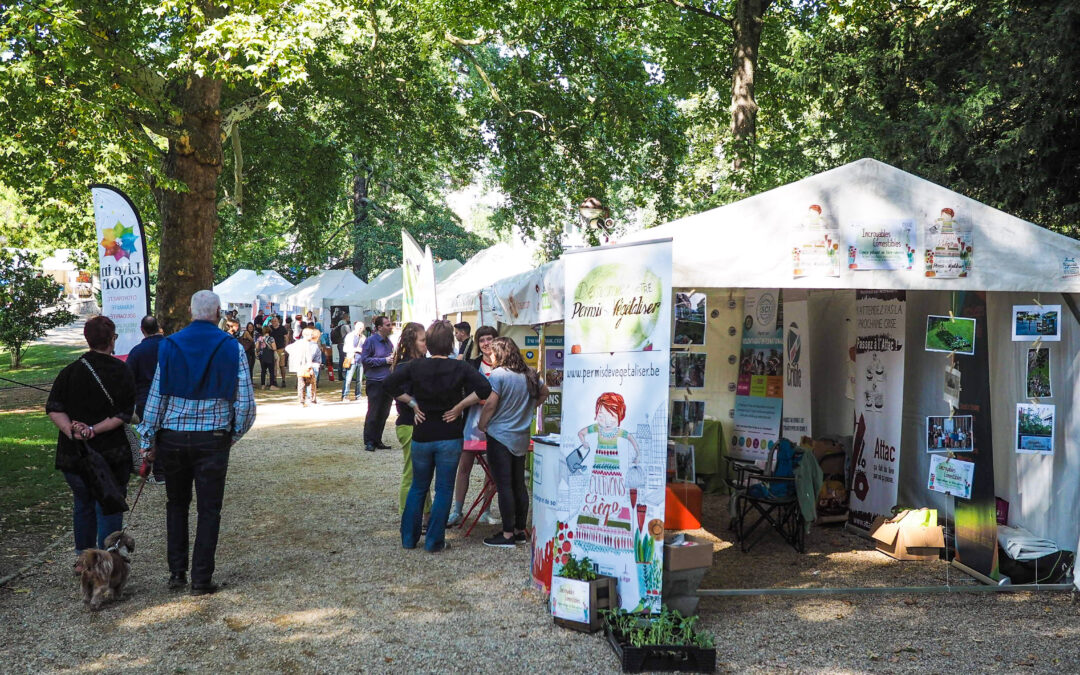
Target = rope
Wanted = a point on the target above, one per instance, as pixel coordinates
(23, 384)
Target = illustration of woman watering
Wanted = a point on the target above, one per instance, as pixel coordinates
(610, 412)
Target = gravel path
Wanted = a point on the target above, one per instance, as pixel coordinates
(317, 582)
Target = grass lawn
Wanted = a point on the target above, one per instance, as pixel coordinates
(33, 495)
(40, 364)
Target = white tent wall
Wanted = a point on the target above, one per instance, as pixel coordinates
(832, 322)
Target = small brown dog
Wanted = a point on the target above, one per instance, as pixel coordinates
(104, 573)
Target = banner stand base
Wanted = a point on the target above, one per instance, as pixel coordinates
(856, 530)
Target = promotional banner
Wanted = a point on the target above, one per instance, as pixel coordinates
(815, 245)
(759, 394)
(949, 246)
(613, 460)
(881, 245)
(124, 275)
(879, 403)
(533, 297)
(417, 282)
(796, 421)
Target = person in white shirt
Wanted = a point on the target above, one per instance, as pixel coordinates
(350, 349)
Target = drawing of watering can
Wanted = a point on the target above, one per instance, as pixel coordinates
(635, 477)
(575, 461)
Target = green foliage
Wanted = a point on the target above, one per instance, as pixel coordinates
(582, 570)
(30, 304)
(668, 628)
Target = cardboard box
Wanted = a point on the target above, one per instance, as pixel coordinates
(685, 557)
(907, 537)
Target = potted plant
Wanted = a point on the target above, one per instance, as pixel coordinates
(579, 594)
(665, 641)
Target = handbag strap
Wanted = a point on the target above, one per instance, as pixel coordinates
(98, 379)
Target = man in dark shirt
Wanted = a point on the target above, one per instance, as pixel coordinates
(279, 332)
(142, 362)
(463, 333)
(376, 355)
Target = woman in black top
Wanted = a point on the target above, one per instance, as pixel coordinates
(437, 389)
(81, 408)
(412, 345)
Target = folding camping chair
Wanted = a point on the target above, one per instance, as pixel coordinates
(762, 498)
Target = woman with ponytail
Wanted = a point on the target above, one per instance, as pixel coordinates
(412, 345)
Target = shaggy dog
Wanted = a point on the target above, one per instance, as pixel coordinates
(104, 573)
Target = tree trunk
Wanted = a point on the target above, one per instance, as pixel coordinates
(744, 108)
(360, 206)
(189, 219)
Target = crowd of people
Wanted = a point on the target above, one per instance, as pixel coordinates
(192, 396)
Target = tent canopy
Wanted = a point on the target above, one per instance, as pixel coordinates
(747, 244)
(242, 287)
(531, 297)
(460, 292)
(387, 285)
(443, 270)
(310, 292)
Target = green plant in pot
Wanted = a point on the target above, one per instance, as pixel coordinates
(579, 594)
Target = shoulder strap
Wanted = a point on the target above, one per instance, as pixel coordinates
(98, 379)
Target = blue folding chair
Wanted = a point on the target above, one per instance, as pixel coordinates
(763, 498)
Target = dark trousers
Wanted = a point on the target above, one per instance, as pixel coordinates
(200, 458)
(268, 368)
(508, 471)
(378, 409)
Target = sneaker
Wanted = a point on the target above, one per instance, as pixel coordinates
(454, 519)
(204, 589)
(499, 541)
(521, 537)
(489, 518)
(177, 581)
(154, 481)
(369, 447)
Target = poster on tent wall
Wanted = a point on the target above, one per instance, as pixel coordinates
(122, 258)
(759, 392)
(881, 245)
(949, 246)
(796, 419)
(815, 245)
(615, 414)
(976, 516)
(879, 403)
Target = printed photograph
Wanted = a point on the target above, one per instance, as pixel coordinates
(687, 370)
(689, 319)
(1035, 428)
(684, 463)
(687, 419)
(950, 334)
(1036, 322)
(949, 434)
(1038, 373)
(952, 386)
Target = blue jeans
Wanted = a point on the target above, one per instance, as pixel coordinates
(349, 377)
(86, 516)
(438, 459)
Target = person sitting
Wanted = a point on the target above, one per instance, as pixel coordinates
(482, 362)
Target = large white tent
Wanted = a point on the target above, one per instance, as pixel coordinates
(243, 285)
(378, 294)
(461, 291)
(748, 244)
(310, 293)
(444, 269)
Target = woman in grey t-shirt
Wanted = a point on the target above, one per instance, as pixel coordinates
(516, 391)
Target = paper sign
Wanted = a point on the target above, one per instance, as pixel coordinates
(570, 599)
(951, 476)
(881, 245)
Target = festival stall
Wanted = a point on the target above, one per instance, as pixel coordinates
(249, 291)
(944, 328)
(390, 296)
(310, 293)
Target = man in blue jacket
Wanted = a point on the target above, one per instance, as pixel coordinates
(376, 356)
(142, 362)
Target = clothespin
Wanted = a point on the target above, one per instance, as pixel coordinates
(1036, 299)
(952, 410)
(951, 317)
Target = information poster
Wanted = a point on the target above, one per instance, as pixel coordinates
(615, 416)
(760, 388)
(796, 418)
(879, 403)
(949, 246)
(122, 261)
(951, 476)
(815, 245)
(881, 245)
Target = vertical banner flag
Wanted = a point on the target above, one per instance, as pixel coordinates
(417, 282)
(612, 466)
(124, 275)
(759, 396)
(796, 420)
(879, 403)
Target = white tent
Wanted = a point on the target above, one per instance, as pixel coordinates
(749, 244)
(310, 293)
(461, 291)
(243, 285)
(531, 297)
(385, 286)
(444, 269)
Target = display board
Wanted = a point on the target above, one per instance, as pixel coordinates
(615, 415)
(123, 269)
(759, 394)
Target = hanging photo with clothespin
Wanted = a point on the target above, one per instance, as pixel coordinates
(952, 386)
(952, 334)
(1036, 322)
(1037, 379)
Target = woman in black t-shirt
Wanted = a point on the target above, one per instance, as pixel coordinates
(437, 389)
(79, 405)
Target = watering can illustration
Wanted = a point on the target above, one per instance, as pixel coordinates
(575, 461)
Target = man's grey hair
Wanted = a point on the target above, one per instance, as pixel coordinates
(205, 306)
(359, 325)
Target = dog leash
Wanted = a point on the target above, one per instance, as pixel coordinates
(142, 484)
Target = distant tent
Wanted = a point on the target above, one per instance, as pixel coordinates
(242, 287)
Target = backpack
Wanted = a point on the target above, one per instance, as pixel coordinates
(264, 348)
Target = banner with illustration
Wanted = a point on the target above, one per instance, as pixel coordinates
(815, 245)
(613, 461)
(881, 245)
(759, 393)
(122, 258)
(418, 301)
(879, 403)
(796, 419)
(949, 246)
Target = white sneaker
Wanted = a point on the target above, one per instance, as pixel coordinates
(490, 518)
(454, 519)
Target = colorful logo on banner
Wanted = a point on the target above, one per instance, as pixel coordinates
(879, 403)
(122, 262)
(608, 479)
(759, 392)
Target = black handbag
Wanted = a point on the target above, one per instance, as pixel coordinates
(100, 481)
